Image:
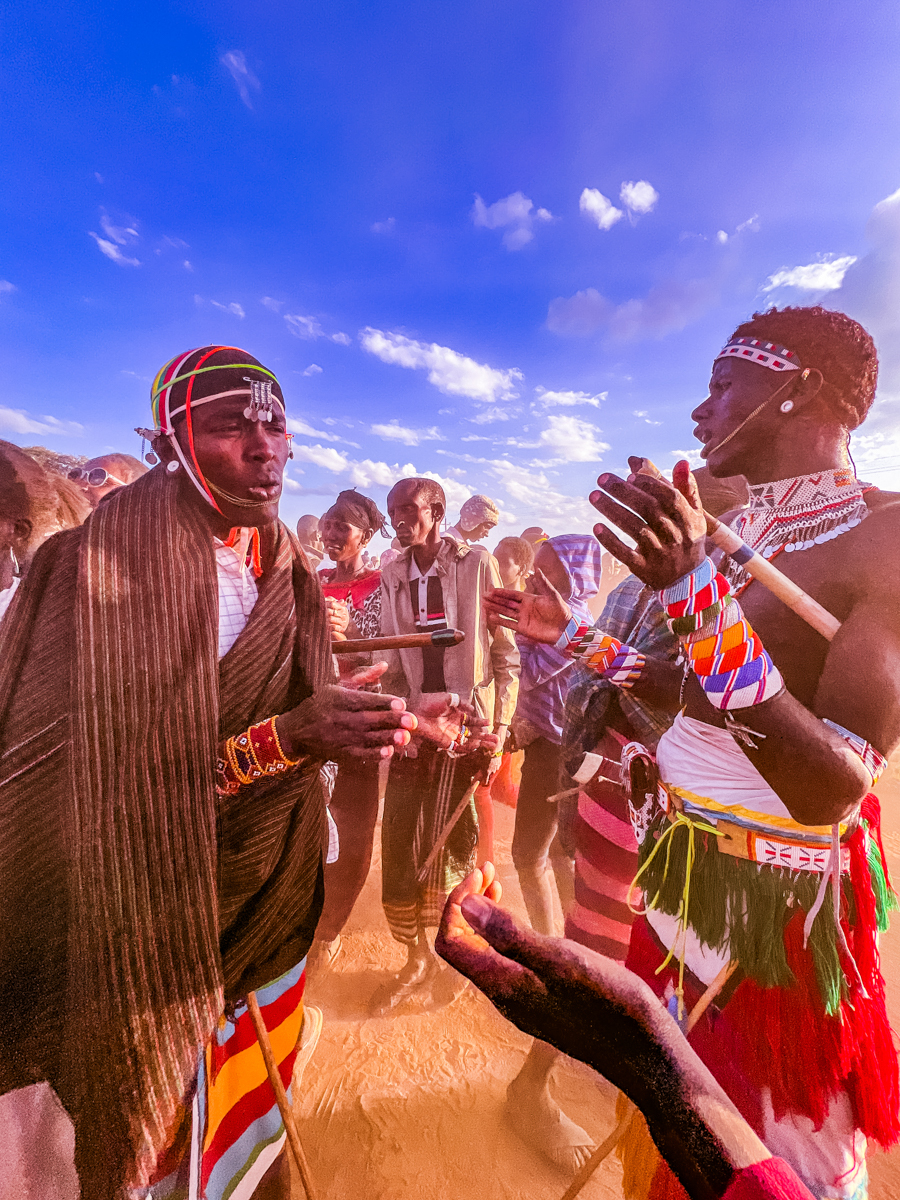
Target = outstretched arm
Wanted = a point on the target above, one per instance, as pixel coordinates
(595, 1010)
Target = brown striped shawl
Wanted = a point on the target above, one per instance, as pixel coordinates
(133, 900)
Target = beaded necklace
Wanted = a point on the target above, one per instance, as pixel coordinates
(796, 514)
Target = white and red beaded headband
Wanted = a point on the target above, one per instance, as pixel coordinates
(764, 354)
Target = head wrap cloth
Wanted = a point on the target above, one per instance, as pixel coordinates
(479, 509)
(763, 354)
(164, 412)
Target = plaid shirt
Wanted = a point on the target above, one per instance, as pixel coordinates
(651, 636)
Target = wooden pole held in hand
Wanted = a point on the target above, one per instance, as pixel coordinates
(441, 638)
(761, 569)
(284, 1105)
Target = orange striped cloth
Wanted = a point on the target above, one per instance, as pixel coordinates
(233, 1132)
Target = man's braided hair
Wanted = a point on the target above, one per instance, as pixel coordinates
(834, 344)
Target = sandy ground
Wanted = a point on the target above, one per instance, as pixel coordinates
(413, 1105)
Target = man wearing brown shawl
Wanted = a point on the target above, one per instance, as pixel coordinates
(138, 897)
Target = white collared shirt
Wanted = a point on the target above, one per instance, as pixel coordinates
(238, 590)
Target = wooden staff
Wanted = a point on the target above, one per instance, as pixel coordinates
(442, 638)
(761, 569)
(447, 830)
(284, 1105)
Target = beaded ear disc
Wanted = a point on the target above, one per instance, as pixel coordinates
(787, 406)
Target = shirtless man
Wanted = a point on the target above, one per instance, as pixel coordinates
(768, 766)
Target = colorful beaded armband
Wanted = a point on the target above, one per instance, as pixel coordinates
(727, 656)
(250, 756)
(616, 661)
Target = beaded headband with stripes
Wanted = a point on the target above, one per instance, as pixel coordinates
(764, 354)
(259, 408)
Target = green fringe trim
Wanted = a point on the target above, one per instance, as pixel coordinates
(885, 898)
(743, 907)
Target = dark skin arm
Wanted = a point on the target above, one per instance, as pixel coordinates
(852, 681)
(596, 1011)
(542, 614)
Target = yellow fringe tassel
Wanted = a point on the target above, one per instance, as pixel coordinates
(678, 821)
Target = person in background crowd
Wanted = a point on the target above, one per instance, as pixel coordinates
(388, 556)
(600, 1013)
(347, 527)
(100, 476)
(34, 503)
(435, 583)
(574, 564)
(515, 561)
(310, 539)
(477, 517)
(534, 534)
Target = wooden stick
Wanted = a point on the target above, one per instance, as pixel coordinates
(761, 569)
(447, 830)
(402, 641)
(284, 1105)
(605, 1148)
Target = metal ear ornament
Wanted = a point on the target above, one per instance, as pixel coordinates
(261, 400)
(787, 406)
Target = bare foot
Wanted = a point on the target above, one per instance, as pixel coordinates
(541, 1124)
(419, 970)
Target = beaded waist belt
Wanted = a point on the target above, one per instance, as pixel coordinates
(770, 847)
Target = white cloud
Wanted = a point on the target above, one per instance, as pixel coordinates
(16, 420)
(112, 251)
(304, 429)
(599, 208)
(307, 328)
(187, 265)
(568, 399)
(273, 305)
(645, 416)
(234, 308)
(542, 500)
(572, 440)
(321, 456)
(694, 457)
(6, 287)
(450, 372)
(394, 431)
(121, 234)
(514, 214)
(751, 225)
(313, 369)
(721, 237)
(387, 226)
(667, 308)
(639, 198)
(824, 276)
(489, 415)
(243, 77)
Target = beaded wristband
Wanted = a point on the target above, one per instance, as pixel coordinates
(727, 656)
(874, 762)
(249, 756)
(616, 661)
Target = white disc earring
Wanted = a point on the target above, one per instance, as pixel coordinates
(173, 466)
(787, 406)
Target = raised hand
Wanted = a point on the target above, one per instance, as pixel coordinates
(540, 614)
(665, 520)
(340, 720)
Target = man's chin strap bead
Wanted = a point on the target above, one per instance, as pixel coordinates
(727, 656)
(616, 661)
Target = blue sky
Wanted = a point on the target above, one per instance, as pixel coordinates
(495, 242)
